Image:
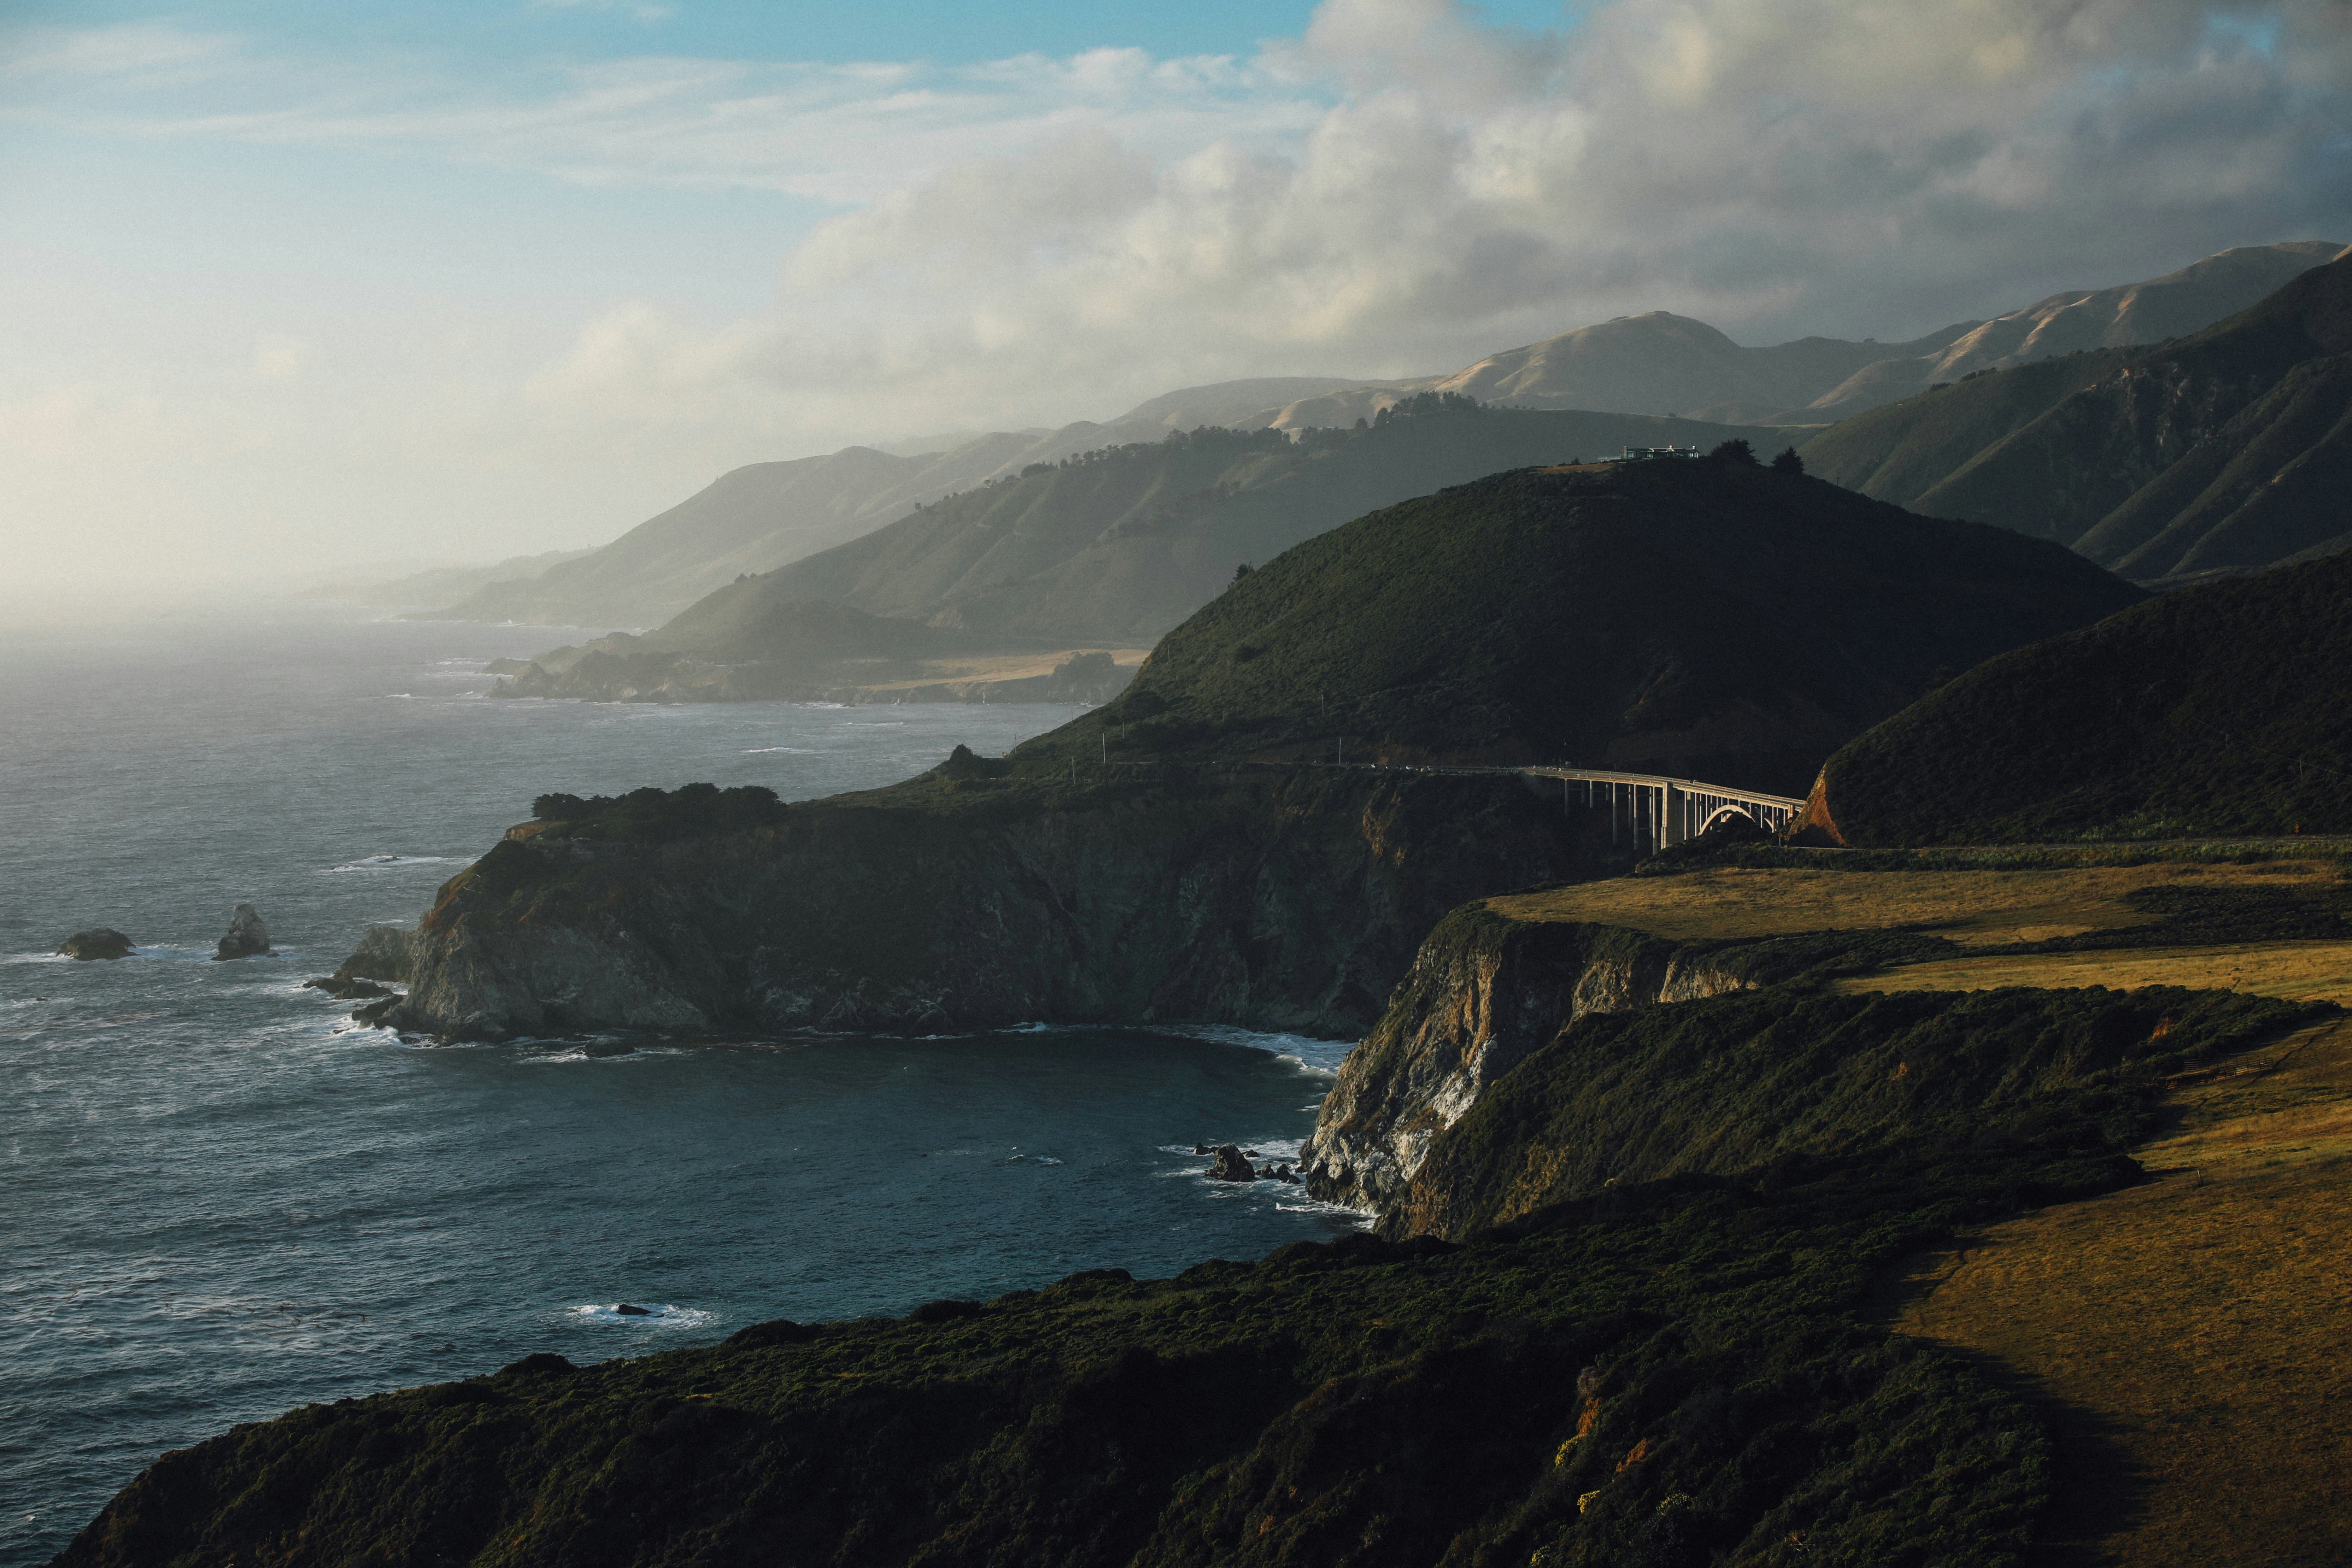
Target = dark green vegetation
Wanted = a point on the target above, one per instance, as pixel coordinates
(2225, 451)
(984, 894)
(651, 816)
(1908, 1082)
(2219, 709)
(1668, 1373)
(1714, 620)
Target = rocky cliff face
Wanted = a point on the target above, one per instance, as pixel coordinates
(1485, 992)
(1288, 897)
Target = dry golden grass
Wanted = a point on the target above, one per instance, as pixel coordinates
(1975, 908)
(2191, 1338)
(993, 667)
(2299, 971)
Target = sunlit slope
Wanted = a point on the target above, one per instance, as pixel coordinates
(2225, 451)
(1121, 546)
(1708, 619)
(2212, 709)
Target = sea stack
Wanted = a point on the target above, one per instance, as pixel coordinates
(247, 935)
(98, 942)
(1231, 1165)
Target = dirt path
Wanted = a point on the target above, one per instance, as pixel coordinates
(2191, 1338)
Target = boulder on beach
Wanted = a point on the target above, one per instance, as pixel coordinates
(98, 941)
(1230, 1164)
(247, 938)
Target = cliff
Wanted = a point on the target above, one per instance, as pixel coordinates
(1485, 992)
(1673, 1372)
(982, 895)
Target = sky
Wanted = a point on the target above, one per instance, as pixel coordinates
(296, 290)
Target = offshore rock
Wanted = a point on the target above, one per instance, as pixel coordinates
(98, 942)
(1269, 895)
(246, 936)
(1230, 1164)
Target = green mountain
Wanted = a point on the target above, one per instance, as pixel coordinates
(2224, 451)
(2215, 709)
(1708, 619)
(1119, 545)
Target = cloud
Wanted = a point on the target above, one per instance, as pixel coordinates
(1770, 165)
(1400, 189)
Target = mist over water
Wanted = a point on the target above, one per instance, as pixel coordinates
(224, 1201)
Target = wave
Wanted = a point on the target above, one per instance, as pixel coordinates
(1318, 1059)
(386, 862)
(647, 1315)
(796, 751)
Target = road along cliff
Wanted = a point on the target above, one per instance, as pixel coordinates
(976, 896)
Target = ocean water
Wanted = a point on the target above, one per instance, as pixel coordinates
(223, 1200)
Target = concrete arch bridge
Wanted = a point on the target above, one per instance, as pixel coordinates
(1651, 811)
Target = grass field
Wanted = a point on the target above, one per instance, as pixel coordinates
(2297, 971)
(1971, 908)
(2191, 1338)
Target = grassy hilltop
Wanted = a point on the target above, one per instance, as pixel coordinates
(1710, 619)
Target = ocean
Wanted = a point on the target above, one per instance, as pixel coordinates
(224, 1200)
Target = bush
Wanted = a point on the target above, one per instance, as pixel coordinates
(1735, 450)
(652, 814)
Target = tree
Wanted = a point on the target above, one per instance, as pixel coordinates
(1787, 462)
(1735, 450)
(1241, 571)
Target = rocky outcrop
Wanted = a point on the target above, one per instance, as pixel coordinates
(1228, 1164)
(383, 954)
(1275, 896)
(98, 942)
(246, 937)
(1485, 992)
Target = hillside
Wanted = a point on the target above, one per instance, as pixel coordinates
(1712, 620)
(2212, 709)
(2224, 451)
(758, 518)
(1113, 547)
(1663, 1353)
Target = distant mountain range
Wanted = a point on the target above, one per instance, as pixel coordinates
(1109, 550)
(2224, 451)
(767, 515)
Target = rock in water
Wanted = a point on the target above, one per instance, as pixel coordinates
(98, 942)
(631, 1310)
(1231, 1165)
(247, 935)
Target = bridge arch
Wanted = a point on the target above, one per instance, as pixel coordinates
(1726, 813)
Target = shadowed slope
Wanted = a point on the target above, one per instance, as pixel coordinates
(2214, 709)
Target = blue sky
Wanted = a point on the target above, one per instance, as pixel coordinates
(301, 288)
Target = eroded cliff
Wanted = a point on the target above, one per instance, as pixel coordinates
(1276, 897)
(1485, 992)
